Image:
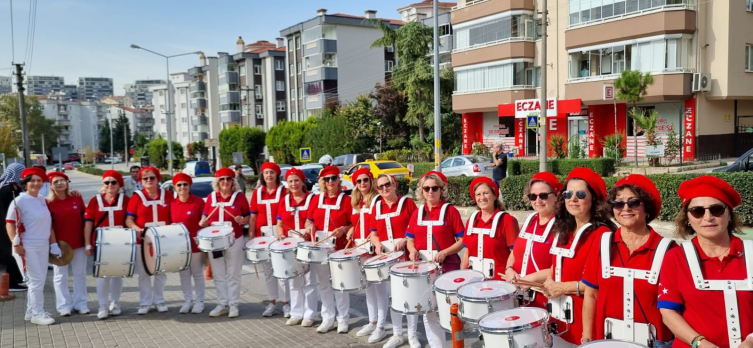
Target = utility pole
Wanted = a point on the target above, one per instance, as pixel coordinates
(22, 112)
(125, 138)
(112, 145)
(544, 109)
(437, 118)
(44, 153)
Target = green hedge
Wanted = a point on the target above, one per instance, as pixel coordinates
(458, 190)
(603, 166)
(421, 168)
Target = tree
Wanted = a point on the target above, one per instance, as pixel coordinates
(390, 105)
(285, 139)
(7, 141)
(631, 86)
(647, 122)
(38, 125)
(158, 153)
(121, 133)
(249, 140)
(141, 143)
(672, 147)
(104, 138)
(89, 154)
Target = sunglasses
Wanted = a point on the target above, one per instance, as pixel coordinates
(108, 183)
(363, 181)
(544, 196)
(716, 210)
(430, 188)
(181, 185)
(631, 204)
(148, 178)
(385, 186)
(332, 178)
(569, 194)
(226, 178)
(59, 182)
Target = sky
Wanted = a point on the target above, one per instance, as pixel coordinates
(92, 38)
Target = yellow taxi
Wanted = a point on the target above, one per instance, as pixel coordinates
(380, 167)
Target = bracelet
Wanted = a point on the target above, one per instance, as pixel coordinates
(509, 267)
(88, 247)
(577, 288)
(697, 341)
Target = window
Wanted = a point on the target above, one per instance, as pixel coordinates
(257, 91)
(586, 11)
(242, 69)
(293, 93)
(185, 134)
(293, 116)
(279, 65)
(259, 111)
(292, 70)
(298, 68)
(749, 5)
(290, 45)
(533, 76)
(297, 42)
(445, 29)
(388, 64)
(185, 119)
(161, 93)
(300, 93)
(280, 105)
(182, 105)
(749, 57)
(257, 69)
(496, 30)
(494, 77)
(280, 85)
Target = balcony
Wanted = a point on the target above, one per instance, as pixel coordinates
(320, 73)
(666, 87)
(195, 71)
(65, 131)
(64, 142)
(317, 101)
(230, 77)
(230, 97)
(198, 86)
(474, 9)
(199, 136)
(230, 116)
(199, 120)
(445, 44)
(64, 122)
(63, 112)
(489, 100)
(494, 51)
(320, 46)
(198, 103)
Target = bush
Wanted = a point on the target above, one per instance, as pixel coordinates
(421, 168)
(603, 166)
(557, 147)
(402, 186)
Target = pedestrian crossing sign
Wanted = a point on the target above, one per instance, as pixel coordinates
(533, 122)
(305, 154)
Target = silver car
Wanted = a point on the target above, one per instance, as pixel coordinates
(467, 165)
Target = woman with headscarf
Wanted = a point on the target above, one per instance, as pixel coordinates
(9, 189)
(187, 208)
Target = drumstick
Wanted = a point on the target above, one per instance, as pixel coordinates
(347, 245)
(256, 271)
(379, 257)
(291, 230)
(538, 287)
(414, 264)
(228, 213)
(210, 214)
(358, 246)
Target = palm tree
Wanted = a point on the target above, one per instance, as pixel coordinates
(648, 123)
(631, 86)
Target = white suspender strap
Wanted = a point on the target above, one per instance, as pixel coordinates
(388, 217)
(221, 214)
(328, 209)
(532, 238)
(561, 252)
(153, 204)
(297, 212)
(748, 251)
(430, 224)
(112, 209)
(481, 232)
(267, 202)
(661, 251)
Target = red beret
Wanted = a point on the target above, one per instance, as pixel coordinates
(271, 165)
(361, 172)
(182, 177)
(116, 175)
(224, 172)
(709, 186)
(591, 178)
(34, 171)
(54, 175)
(297, 172)
(644, 184)
(329, 170)
(439, 174)
(550, 179)
(155, 170)
(483, 180)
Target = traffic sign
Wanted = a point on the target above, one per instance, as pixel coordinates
(237, 157)
(305, 154)
(533, 122)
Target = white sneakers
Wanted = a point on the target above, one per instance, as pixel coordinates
(366, 330)
(233, 311)
(270, 310)
(198, 307)
(65, 313)
(185, 308)
(144, 309)
(307, 323)
(342, 327)
(84, 311)
(394, 342)
(377, 335)
(413, 342)
(114, 308)
(286, 311)
(293, 321)
(326, 326)
(27, 316)
(42, 319)
(220, 310)
(102, 313)
(161, 307)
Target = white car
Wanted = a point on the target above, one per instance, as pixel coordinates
(113, 160)
(202, 186)
(246, 170)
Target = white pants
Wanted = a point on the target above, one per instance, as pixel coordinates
(63, 301)
(109, 290)
(277, 289)
(36, 269)
(378, 302)
(329, 296)
(397, 318)
(303, 296)
(149, 293)
(226, 272)
(195, 271)
(434, 332)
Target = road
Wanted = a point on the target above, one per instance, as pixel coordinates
(87, 184)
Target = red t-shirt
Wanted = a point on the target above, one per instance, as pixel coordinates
(189, 214)
(611, 293)
(572, 270)
(68, 220)
(339, 216)
(260, 209)
(288, 209)
(94, 213)
(399, 222)
(365, 224)
(239, 207)
(143, 214)
(497, 248)
(704, 310)
(444, 234)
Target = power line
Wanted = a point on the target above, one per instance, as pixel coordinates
(33, 36)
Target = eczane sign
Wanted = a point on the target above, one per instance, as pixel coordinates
(530, 107)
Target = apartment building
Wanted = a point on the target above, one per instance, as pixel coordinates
(182, 113)
(262, 85)
(5, 85)
(330, 60)
(44, 85)
(139, 92)
(204, 101)
(79, 121)
(70, 92)
(702, 72)
(94, 88)
(424, 11)
(140, 120)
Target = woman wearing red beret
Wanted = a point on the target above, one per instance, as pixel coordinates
(263, 208)
(226, 205)
(706, 286)
(330, 213)
(187, 208)
(622, 275)
(531, 251)
(490, 232)
(107, 209)
(67, 213)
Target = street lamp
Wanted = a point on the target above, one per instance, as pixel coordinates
(168, 107)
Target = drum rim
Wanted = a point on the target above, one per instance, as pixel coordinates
(486, 299)
(453, 292)
(345, 258)
(323, 246)
(415, 274)
(380, 264)
(622, 341)
(533, 325)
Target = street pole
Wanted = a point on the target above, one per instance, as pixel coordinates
(542, 116)
(22, 112)
(437, 119)
(125, 138)
(112, 149)
(168, 108)
(44, 154)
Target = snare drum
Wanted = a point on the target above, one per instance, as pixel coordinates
(307, 252)
(345, 269)
(257, 249)
(115, 252)
(445, 289)
(389, 245)
(411, 287)
(518, 327)
(166, 249)
(481, 298)
(215, 238)
(282, 255)
(612, 344)
(267, 231)
(377, 268)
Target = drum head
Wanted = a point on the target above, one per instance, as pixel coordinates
(487, 289)
(382, 259)
(260, 242)
(149, 251)
(514, 319)
(349, 254)
(451, 281)
(284, 244)
(612, 343)
(408, 267)
(214, 231)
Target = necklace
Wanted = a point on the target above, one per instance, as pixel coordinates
(641, 240)
(723, 253)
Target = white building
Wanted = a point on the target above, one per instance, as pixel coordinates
(139, 91)
(94, 88)
(182, 111)
(205, 102)
(79, 121)
(44, 85)
(5, 84)
(140, 120)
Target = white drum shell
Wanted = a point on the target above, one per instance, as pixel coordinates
(222, 240)
(257, 249)
(411, 293)
(447, 296)
(166, 249)
(471, 309)
(115, 252)
(534, 334)
(379, 271)
(284, 264)
(346, 273)
(308, 253)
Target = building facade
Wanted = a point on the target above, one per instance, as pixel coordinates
(5, 85)
(181, 112)
(330, 60)
(262, 84)
(94, 88)
(139, 92)
(424, 11)
(204, 99)
(44, 85)
(79, 121)
(140, 120)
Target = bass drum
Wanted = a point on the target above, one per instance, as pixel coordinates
(114, 252)
(166, 249)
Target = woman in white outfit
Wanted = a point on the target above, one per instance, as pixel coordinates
(187, 209)
(33, 241)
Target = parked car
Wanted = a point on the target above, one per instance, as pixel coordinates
(195, 168)
(68, 166)
(345, 162)
(380, 167)
(58, 169)
(76, 164)
(246, 170)
(113, 159)
(467, 165)
(743, 163)
(201, 187)
(310, 170)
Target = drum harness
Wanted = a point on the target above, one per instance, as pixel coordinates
(328, 209)
(628, 325)
(361, 227)
(153, 204)
(729, 287)
(388, 218)
(478, 262)
(529, 296)
(296, 209)
(268, 203)
(429, 252)
(561, 308)
(109, 211)
(215, 203)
